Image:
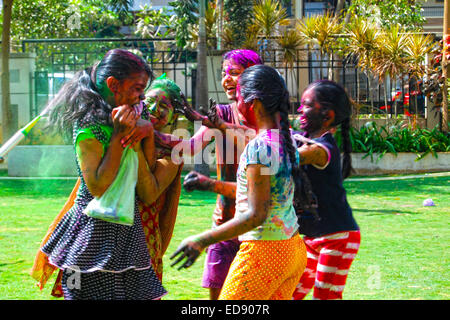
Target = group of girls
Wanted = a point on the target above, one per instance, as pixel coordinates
(254, 248)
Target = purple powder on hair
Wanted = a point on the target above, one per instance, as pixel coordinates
(243, 57)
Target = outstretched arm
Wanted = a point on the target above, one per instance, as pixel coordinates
(197, 181)
(259, 202)
(190, 146)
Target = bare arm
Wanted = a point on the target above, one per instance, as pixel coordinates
(152, 183)
(259, 202)
(197, 181)
(313, 154)
(99, 172)
(189, 147)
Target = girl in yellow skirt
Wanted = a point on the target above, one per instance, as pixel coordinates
(272, 256)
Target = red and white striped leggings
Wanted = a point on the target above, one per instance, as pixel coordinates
(329, 260)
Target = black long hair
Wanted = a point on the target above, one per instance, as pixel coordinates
(267, 85)
(330, 95)
(84, 96)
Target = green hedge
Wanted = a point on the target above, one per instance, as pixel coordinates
(371, 139)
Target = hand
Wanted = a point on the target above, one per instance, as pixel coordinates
(213, 118)
(196, 181)
(142, 130)
(190, 248)
(190, 113)
(124, 120)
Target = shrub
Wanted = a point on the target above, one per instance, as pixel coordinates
(371, 139)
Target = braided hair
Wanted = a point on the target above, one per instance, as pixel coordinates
(330, 95)
(267, 85)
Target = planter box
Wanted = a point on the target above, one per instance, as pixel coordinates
(404, 162)
(42, 161)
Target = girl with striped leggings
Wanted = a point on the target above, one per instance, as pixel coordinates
(331, 237)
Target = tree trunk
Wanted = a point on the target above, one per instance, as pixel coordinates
(202, 81)
(445, 66)
(338, 13)
(7, 129)
(339, 7)
(385, 96)
(219, 8)
(369, 91)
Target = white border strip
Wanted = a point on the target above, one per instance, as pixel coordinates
(425, 175)
(38, 178)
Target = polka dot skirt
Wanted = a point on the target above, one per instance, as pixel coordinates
(112, 259)
(265, 270)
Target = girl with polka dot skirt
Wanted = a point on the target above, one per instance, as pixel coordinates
(163, 104)
(272, 256)
(99, 259)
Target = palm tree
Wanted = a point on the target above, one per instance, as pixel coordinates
(390, 56)
(320, 30)
(251, 37)
(363, 39)
(289, 43)
(267, 16)
(417, 48)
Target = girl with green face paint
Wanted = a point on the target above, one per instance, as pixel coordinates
(164, 100)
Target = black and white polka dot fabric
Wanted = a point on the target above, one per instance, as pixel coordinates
(111, 260)
(126, 285)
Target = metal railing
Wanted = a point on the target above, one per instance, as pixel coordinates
(58, 59)
(433, 11)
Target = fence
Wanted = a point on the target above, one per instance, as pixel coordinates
(58, 60)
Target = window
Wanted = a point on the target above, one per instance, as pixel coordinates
(14, 76)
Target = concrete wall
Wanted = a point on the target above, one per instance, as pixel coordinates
(54, 161)
(400, 164)
(42, 161)
(21, 67)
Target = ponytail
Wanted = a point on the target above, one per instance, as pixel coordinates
(77, 99)
(347, 149)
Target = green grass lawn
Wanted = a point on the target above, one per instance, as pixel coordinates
(403, 255)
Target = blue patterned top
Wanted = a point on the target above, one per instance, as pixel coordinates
(281, 222)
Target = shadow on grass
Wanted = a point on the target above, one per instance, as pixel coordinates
(378, 212)
(11, 263)
(36, 188)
